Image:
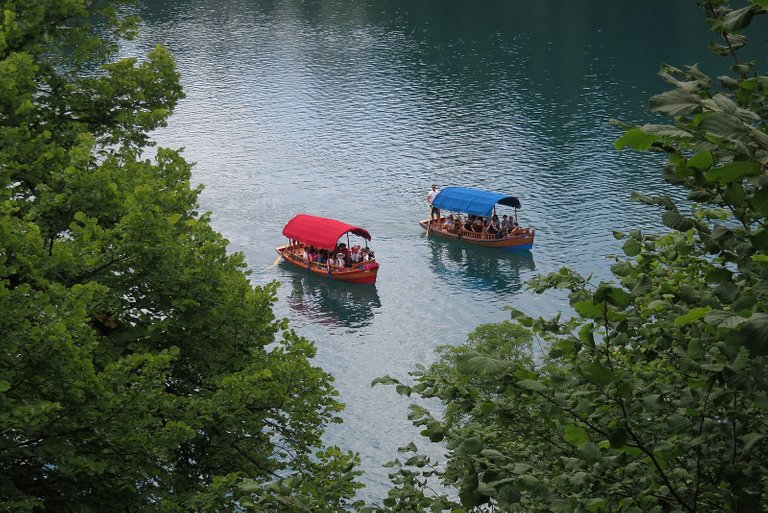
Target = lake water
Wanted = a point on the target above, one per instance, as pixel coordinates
(352, 109)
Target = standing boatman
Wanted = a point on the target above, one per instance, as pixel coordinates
(433, 210)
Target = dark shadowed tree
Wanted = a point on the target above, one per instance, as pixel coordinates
(139, 368)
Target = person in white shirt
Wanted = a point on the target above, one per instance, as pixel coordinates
(434, 212)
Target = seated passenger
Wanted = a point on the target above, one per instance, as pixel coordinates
(478, 225)
(505, 224)
(322, 257)
(493, 225)
(356, 255)
(342, 248)
(449, 223)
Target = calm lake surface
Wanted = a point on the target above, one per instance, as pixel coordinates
(352, 109)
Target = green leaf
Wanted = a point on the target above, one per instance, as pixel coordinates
(738, 19)
(563, 506)
(486, 489)
(384, 380)
(713, 367)
(523, 373)
(702, 160)
(521, 468)
(670, 131)
(723, 319)
(474, 363)
(676, 221)
(755, 331)
(692, 315)
(596, 504)
(589, 452)
(733, 172)
(618, 438)
(751, 439)
(725, 126)
(695, 349)
(678, 423)
(675, 103)
(653, 402)
(533, 385)
(599, 374)
(575, 435)
(529, 481)
(434, 431)
(403, 390)
(642, 287)
(622, 268)
(492, 454)
(760, 200)
(619, 298)
(472, 444)
(588, 309)
(519, 316)
(636, 139)
(718, 274)
(632, 247)
(509, 494)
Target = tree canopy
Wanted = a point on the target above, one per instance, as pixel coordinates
(140, 370)
(653, 396)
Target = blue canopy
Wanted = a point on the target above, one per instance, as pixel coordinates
(472, 201)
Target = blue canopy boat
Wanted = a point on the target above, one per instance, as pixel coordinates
(475, 204)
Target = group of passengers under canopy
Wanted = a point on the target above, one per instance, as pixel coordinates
(499, 228)
(340, 257)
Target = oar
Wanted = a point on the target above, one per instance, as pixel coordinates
(429, 220)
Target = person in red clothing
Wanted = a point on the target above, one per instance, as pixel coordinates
(342, 248)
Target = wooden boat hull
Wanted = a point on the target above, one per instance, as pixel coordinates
(520, 240)
(363, 272)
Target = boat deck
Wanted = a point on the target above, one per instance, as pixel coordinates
(520, 238)
(360, 272)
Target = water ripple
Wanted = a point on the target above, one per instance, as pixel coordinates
(352, 109)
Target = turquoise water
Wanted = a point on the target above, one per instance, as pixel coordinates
(352, 110)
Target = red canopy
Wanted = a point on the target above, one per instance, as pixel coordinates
(321, 232)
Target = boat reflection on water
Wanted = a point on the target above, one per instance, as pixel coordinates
(481, 268)
(334, 303)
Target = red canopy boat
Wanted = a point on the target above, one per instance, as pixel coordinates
(311, 235)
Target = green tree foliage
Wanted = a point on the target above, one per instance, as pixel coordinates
(653, 397)
(139, 368)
